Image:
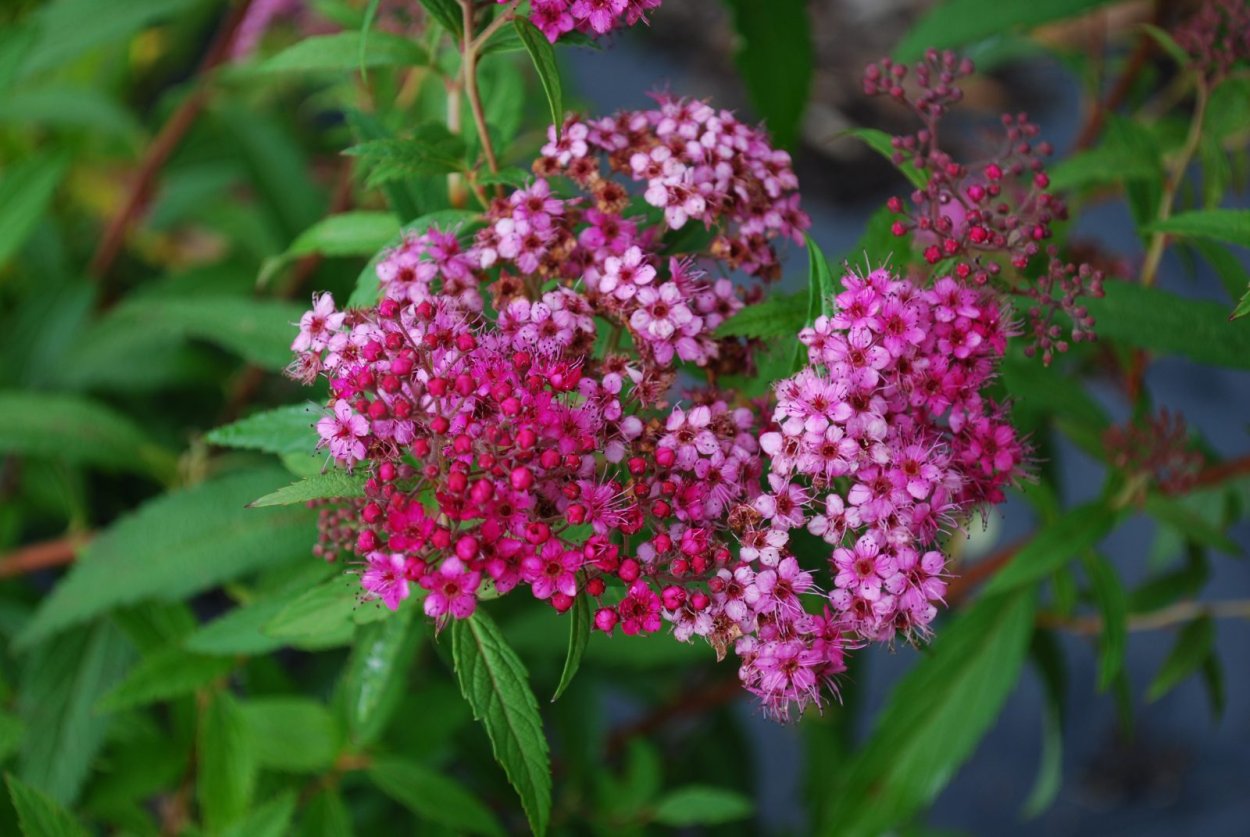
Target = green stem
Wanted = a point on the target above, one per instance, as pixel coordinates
(469, 48)
(1154, 253)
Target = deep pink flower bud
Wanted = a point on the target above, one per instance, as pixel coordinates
(665, 457)
(673, 597)
(595, 587)
(466, 548)
(537, 532)
(606, 619)
(629, 570)
(561, 602)
(521, 478)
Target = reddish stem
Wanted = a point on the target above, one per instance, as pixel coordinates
(162, 147)
(41, 556)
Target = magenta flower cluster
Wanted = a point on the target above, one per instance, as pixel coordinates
(556, 18)
(508, 403)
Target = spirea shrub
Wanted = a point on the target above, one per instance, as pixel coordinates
(583, 427)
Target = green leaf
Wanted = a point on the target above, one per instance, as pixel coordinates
(329, 485)
(276, 164)
(544, 58)
(775, 57)
(241, 631)
(701, 805)
(1243, 306)
(226, 776)
(1169, 44)
(377, 673)
(1107, 163)
(495, 684)
(579, 637)
(78, 430)
(282, 430)
(1189, 522)
(1194, 643)
(433, 797)
(11, 729)
(1055, 545)
(1231, 226)
(1213, 679)
(25, 191)
(166, 674)
(273, 819)
(1149, 318)
(777, 316)
(935, 716)
(880, 142)
(63, 37)
(1223, 260)
(344, 52)
(1181, 583)
(325, 815)
(174, 546)
(448, 15)
(257, 330)
(291, 734)
(821, 290)
(357, 233)
(367, 290)
(431, 150)
(61, 682)
(955, 23)
(328, 613)
(1112, 604)
(39, 814)
(1047, 656)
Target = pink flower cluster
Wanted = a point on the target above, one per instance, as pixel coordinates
(881, 442)
(696, 163)
(556, 18)
(507, 403)
(988, 215)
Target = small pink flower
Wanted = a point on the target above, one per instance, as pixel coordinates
(343, 432)
(452, 590)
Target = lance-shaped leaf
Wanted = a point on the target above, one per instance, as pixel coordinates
(1054, 546)
(1231, 226)
(935, 716)
(775, 58)
(282, 430)
(329, 485)
(701, 805)
(226, 778)
(39, 814)
(164, 675)
(544, 58)
(78, 430)
(1149, 318)
(344, 52)
(955, 23)
(433, 796)
(377, 672)
(579, 637)
(495, 684)
(174, 546)
(1194, 643)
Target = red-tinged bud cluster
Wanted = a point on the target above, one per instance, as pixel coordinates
(1159, 447)
(1217, 37)
(989, 219)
